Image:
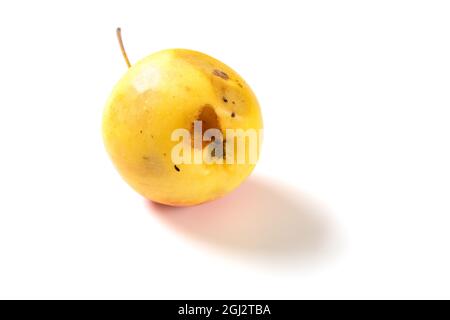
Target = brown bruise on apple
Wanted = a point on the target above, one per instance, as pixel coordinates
(231, 104)
(209, 120)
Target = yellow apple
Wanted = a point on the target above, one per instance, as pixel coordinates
(167, 91)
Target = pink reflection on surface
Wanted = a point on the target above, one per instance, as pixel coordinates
(262, 218)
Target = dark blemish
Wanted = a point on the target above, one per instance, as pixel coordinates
(151, 136)
(240, 84)
(220, 74)
(233, 102)
(233, 114)
(224, 99)
(145, 158)
(224, 156)
(209, 120)
(176, 168)
(217, 144)
(164, 154)
(141, 131)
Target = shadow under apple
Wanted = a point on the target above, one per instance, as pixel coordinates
(262, 219)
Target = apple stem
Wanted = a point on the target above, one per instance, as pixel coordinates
(122, 48)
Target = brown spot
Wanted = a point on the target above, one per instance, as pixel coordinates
(213, 153)
(220, 74)
(141, 131)
(224, 99)
(233, 114)
(218, 144)
(164, 154)
(145, 158)
(176, 168)
(224, 155)
(233, 102)
(209, 119)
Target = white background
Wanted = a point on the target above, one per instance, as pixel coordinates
(351, 198)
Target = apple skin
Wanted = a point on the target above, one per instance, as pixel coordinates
(166, 91)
